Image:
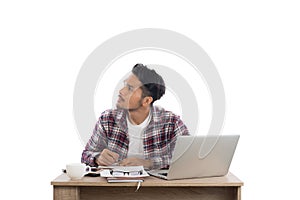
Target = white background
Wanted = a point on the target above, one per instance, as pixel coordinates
(255, 46)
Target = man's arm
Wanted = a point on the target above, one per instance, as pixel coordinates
(96, 144)
(164, 160)
(137, 162)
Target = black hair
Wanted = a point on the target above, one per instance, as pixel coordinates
(153, 83)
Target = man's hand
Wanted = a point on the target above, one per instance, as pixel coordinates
(136, 162)
(107, 157)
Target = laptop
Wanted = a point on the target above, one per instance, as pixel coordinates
(200, 156)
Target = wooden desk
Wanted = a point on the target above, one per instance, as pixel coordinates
(226, 187)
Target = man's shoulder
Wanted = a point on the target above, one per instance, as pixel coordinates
(161, 111)
(161, 114)
(111, 114)
(165, 117)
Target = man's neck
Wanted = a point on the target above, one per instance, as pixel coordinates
(138, 116)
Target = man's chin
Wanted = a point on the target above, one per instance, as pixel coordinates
(119, 107)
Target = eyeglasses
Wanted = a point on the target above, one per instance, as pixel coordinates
(125, 173)
(129, 87)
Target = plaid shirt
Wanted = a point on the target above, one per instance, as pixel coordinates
(159, 138)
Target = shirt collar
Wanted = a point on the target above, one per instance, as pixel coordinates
(122, 122)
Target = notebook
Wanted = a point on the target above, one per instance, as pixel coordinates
(200, 156)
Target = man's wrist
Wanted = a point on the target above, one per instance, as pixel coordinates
(96, 159)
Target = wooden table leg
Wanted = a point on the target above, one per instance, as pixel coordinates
(66, 193)
(239, 190)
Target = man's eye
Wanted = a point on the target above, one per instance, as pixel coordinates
(130, 88)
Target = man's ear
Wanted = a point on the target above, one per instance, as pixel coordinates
(147, 101)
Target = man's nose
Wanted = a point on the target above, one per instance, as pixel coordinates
(122, 91)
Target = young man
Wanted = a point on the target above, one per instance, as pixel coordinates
(136, 133)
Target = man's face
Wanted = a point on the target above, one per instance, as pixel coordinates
(130, 96)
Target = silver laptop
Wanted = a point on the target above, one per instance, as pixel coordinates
(200, 156)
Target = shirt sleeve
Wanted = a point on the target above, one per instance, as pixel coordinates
(164, 160)
(95, 145)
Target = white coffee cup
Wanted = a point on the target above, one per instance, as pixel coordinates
(77, 170)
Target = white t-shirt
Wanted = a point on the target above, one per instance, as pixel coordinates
(135, 132)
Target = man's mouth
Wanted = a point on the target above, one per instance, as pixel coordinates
(121, 98)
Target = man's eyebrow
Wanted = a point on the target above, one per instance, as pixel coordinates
(131, 86)
(125, 81)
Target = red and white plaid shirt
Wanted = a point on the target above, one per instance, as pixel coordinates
(159, 138)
